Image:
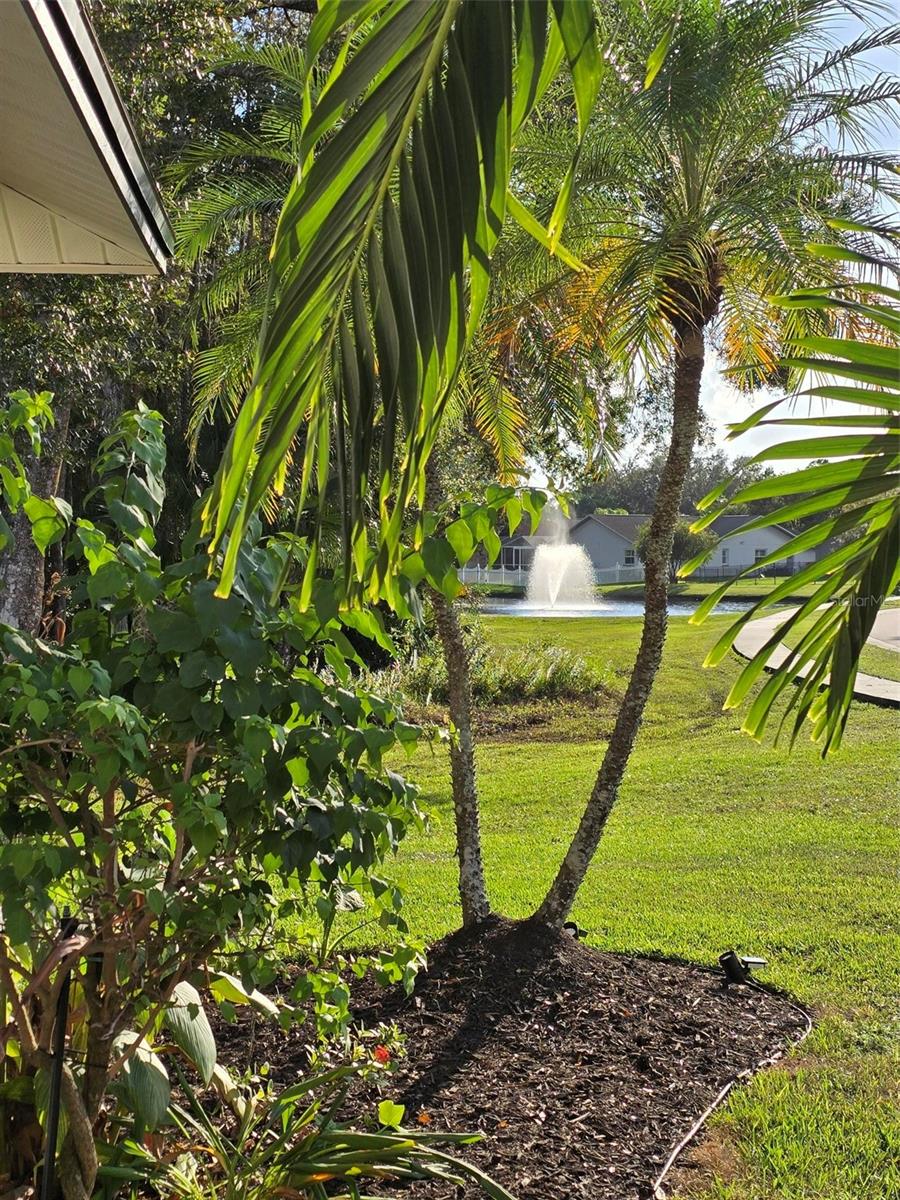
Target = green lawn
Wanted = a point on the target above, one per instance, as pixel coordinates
(875, 660)
(746, 589)
(716, 842)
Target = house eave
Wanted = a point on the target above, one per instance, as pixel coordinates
(111, 219)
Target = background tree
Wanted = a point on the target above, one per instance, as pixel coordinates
(101, 345)
(686, 545)
(630, 485)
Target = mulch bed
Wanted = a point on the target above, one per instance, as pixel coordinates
(581, 1068)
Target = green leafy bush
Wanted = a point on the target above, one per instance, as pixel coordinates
(24, 420)
(291, 1144)
(181, 773)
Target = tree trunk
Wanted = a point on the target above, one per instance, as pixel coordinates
(78, 1163)
(472, 890)
(22, 564)
(688, 369)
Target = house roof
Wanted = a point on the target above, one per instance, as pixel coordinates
(76, 195)
(626, 525)
(623, 525)
(728, 523)
(731, 521)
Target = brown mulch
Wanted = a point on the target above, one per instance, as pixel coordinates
(581, 1068)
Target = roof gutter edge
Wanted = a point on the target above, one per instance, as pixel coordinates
(72, 47)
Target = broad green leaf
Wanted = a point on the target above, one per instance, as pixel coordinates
(145, 1078)
(228, 987)
(459, 535)
(390, 1114)
(175, 631)
(189, 1026)
(49, 520)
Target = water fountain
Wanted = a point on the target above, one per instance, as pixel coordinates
(561, 583)
(561, 577)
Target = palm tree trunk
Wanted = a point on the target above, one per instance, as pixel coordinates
(472, 890)
(688, 369)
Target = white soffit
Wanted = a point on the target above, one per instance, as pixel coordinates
(76, 196)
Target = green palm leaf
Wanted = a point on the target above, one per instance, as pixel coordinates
(380, 265)
(853, 502)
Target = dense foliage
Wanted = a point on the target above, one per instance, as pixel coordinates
(180, 773)
(631, 484)
(536, 671)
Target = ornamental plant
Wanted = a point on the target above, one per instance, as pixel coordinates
(179, 773)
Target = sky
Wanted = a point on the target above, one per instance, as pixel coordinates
(723, 403)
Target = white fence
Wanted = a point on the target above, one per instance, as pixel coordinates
(618, 574)
(518, 578)
(493, 575)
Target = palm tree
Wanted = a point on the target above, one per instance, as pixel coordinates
(520, 374)
(233, 186)
(380, 265)
(525, 375)
(696, 196)
(695, 201)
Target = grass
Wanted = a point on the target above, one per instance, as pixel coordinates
(715, 842)
(744, 589)
(875, 660)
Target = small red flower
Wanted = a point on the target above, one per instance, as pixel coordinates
(382, 1055)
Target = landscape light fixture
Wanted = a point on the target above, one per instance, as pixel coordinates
(737, 968)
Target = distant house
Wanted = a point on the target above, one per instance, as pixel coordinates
(609, 540)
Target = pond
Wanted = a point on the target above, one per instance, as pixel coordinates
(501, 606)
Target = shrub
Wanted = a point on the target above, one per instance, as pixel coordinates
(290, 1144)
(181, 773)
(535, 671)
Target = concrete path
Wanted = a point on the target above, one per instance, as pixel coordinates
(885, 633)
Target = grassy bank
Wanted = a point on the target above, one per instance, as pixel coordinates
(716, 842)
(745, 589)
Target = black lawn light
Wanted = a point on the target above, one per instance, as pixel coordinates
(737, 968)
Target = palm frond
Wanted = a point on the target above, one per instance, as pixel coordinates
(380, 265)
(852, 502)
(220, 206)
